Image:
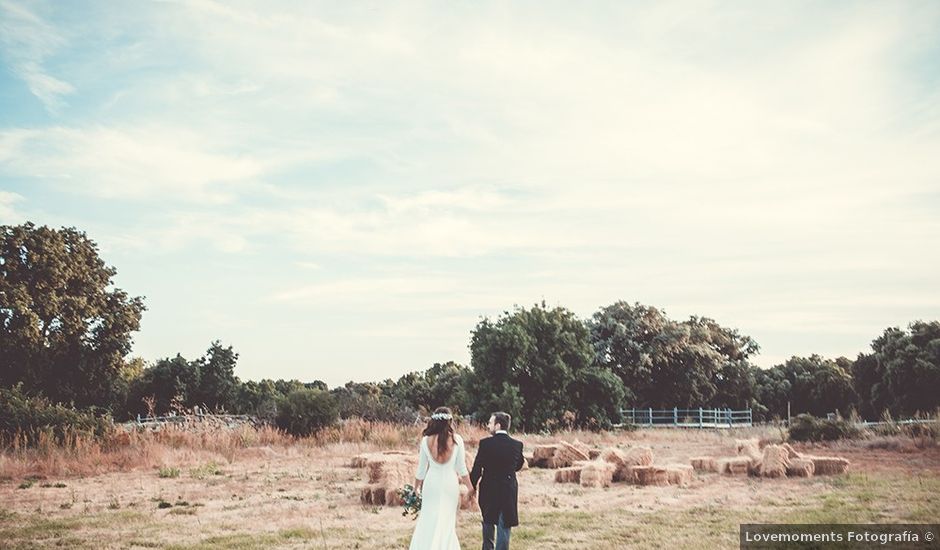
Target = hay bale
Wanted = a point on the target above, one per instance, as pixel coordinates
(679, 474)
(391, 470)
(632, 458)
(791, 452)
(800, 467)
(735, 465)
(622, 470)
(650, 475)
(465, 502)
(828, 465)
(597, 474)
(544, 452)
(568, 475)
(583, 447)
(539, 463)
(747, 447)
(774, 462)
(360, 461)
(567, 454)
(379, 494)
(704, 464)
(612, 455)
(638, 456)
(392, 498)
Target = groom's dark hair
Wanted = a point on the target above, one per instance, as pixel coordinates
(502, 420)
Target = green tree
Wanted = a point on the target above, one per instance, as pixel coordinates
(811, 385)
(218, 384)
(665, 363)
(598, 395)
(536, 351)
(902, 373)
(449, 386)
(170, 382)
(258, 398)
(305, 411)
(64, 327)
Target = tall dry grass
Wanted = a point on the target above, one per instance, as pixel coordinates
(129, 449)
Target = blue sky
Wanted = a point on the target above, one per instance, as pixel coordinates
(341, 190)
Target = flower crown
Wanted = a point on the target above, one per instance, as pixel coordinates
(441, 416)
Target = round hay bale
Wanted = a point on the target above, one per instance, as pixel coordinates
(650, 475)
(828, 465)
(679, 474)
(704, 464)
(568, 475)
(597, 474)
(735, 465)
(774, 462)
(800, 467)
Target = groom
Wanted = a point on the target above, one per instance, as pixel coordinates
(495, 466)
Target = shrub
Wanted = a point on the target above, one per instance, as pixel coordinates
(806, 427)
(168, 472)
(28, 420)
(305, 411)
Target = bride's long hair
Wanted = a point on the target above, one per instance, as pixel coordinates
(443, 428)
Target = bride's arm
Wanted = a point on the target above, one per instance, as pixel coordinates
(423, 466)
(460, 464)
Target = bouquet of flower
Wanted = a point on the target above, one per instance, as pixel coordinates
(410, 501)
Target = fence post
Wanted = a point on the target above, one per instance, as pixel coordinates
(700, 419)
(675, 416)
(651, 415)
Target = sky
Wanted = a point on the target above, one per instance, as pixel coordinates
(342, 190)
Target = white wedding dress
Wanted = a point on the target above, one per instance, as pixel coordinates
(436, 526)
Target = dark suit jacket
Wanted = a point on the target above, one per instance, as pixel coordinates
(495, 466)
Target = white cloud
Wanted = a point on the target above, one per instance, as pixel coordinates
(7, 213)
(145, 162)
(760, 165)
(28, 40)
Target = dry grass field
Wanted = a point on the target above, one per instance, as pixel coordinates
(260, 489)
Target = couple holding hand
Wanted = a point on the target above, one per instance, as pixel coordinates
(442, 468)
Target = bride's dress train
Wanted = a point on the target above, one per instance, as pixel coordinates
(436, 526)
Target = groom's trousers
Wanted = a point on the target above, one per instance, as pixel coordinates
(502, 535)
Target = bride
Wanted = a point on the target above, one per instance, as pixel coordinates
(441, 460)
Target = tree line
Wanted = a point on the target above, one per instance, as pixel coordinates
(65, 334)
